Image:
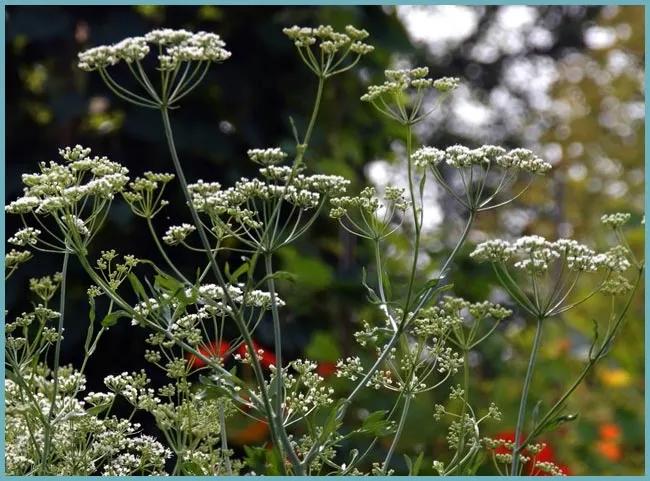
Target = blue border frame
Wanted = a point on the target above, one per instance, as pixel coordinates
(294, 2)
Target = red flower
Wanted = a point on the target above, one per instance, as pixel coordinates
(546, 455)
(326, 369)
(212, 350)
(268, 357)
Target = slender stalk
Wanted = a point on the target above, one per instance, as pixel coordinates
(592, 362)
(451, 257)
(524, 398)
(398, 433)
(224, 441)
(281, 438)
(47, 429)
(314, 114)
(416, 245)
(461, 436)
(277, 334)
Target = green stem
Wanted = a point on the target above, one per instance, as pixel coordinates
(398, 433)
(416, 245)
(461, 440)
(277, 334)
(524, 398)
(314, 114)
(281, 438)
(224, 441)
(451, 257)
(47, 434)
(592, 362)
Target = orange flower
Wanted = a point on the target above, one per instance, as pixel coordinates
(268, 357)
(609, 450)
(252, 433)
(214, 349)
(610, 432)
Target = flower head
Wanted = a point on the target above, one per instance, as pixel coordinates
(334, 47)
(176, 46)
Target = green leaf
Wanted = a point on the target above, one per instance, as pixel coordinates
(91, 315)
(288, 276)
(241, 270)
(331, 425)
(137, 286)
(96, 410)
(312, 273)
(430, 285)
(262, 460)
(414, 467)
(375, 424)
(112, 318)
(169, 283)
(556, 422)
(273, 463)
(372, 295)
(191, 468)
(475, 463)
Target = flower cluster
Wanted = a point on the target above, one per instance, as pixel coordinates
(176, 46)
(145, 196)
(211, 297)
(63, 190)
(399, 81)
(615, 221)
(115, 273)
(246, 207)
(306, 390)
(394, 96)
(177, 234)
(537, 459)
(83, 443)
(375, 215)
(536, 254)
(485, 156)
(331, 43)
(270, 156)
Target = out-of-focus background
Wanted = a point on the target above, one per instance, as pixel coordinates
(564, 81)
